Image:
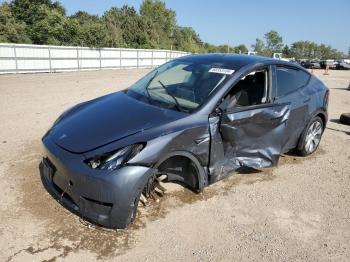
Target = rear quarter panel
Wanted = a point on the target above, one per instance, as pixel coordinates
(306, 102)
(316, 90)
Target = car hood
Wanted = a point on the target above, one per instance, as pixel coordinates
(107, 119)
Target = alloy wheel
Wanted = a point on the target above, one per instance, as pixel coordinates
(313, 137)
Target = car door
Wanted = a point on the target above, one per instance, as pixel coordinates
(249, 136)
(289, 88)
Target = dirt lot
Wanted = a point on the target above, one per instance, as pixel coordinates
(299, 210)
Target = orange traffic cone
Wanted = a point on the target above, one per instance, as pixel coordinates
(326, 70)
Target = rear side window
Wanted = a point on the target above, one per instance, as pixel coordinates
(289, 80)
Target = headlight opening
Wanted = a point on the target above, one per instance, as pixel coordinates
(114, 159)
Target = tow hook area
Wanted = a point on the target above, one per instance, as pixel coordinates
(70, 184)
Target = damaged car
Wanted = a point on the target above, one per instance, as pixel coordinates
(190, 121)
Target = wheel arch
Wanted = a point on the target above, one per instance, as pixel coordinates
(322, 113)
(200, 172)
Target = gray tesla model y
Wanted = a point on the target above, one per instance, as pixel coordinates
(191, 121)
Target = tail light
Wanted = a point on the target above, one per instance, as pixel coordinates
(326, 99)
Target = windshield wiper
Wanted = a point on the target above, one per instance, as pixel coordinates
(147, 87)
(177, 105)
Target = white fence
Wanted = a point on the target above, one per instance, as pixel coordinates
(20, 58)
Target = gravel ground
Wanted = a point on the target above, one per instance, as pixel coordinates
(299, 210)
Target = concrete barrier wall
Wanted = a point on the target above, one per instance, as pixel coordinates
(22, 58)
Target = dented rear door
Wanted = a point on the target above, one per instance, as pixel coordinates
(251, 136)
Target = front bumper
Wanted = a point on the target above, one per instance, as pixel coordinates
(103, 197)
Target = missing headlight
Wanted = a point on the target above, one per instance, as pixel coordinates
(115, 159)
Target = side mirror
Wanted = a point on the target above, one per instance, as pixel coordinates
(218, 111)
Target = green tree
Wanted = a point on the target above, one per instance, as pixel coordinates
(91, 31)
(46, 22)
(241, 49)
(223, 49)
(29, 11)
(259, 46)
(133, 28)
(209, 48)
(160, 23)
(300, 49)
(311, 50)
(39, 15)
(53, 29)
(286, 51)
(11, 30)
(274, 43)
(113, 20)
(186, 39)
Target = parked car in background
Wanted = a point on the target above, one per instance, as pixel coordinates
(311, 64)
(342, 65)
(330, 63)
(192, 120)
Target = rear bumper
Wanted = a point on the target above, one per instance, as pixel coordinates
(102, 197)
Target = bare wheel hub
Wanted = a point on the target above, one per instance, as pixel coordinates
(153, 189)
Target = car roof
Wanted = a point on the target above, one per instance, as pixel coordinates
(234, 61)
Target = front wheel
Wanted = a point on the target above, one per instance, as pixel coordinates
(311, 136)
(151, 190)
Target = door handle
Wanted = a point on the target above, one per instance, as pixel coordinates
(306, 100)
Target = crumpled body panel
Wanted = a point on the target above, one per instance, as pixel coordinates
(251, 137)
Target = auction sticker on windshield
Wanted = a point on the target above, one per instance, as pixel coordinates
(223, 71)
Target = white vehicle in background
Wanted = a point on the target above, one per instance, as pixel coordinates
(252, 53)
(342, 64)
(278, 56)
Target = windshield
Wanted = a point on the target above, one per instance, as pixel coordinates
(180, 85)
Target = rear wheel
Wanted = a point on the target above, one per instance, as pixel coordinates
(311, 136)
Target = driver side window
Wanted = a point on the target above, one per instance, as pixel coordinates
(252, 89)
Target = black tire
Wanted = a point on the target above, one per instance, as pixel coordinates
(345, 119)
(304, 148)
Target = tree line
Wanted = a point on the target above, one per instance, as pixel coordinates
(273, 43)
(154, 26)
